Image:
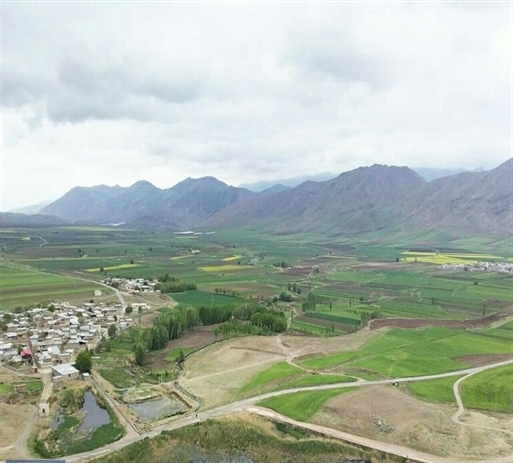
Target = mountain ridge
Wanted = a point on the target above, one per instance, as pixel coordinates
(365, 199)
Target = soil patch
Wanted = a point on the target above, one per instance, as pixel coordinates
(298, 271)
(387, 414)
(454, 324)
(483, 359)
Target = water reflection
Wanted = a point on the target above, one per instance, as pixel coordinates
(156, 409)
(95, 415)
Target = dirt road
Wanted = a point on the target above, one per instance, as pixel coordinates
(248, 405)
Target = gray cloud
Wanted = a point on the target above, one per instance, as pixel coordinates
(116, 92)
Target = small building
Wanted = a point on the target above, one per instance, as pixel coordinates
(63, 372)
(98, 292)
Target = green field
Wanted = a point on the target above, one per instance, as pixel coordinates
(20, 286)
(275, 372)
(174, 354)
(302, 406)
(489, 390)
(400, 353)
(239, 439)
(434, 390)
(201, 298)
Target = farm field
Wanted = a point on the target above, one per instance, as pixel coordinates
(490, 390)
(335, 292)
(401, 353)
(20, 286)
(302, 405)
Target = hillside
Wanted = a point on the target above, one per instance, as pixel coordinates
(477, 202)
(365, 199)
(183, 206)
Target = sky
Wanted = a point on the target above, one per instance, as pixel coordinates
(115, 92)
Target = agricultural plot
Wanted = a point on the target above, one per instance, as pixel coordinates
(302, 405)
(21, 286)
(490, 390)
(434, 390)
(399, 353)
(276, 372)
(201, 298)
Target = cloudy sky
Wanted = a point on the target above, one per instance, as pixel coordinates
(115, 92)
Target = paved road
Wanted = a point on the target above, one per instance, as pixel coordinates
(248, 405)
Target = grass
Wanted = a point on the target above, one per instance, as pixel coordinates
(399, 353)
(434, 390)
(173, 354)
(114, 267)
(224, 268)
(22, 286)
(312, 328)
(276, 372)
(241, 438)
(6, 389)
(489, 390)
(302, 406)
(117, 376)
(201, 298)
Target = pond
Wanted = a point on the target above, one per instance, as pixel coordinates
(156, 409)
(95, 416)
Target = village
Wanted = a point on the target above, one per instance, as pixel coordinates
(499, 267)
(52, 335)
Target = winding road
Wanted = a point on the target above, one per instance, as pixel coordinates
(249, 405)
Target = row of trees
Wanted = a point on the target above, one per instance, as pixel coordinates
(175, 286)
(246, 318)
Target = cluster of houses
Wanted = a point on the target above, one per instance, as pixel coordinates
(500, 267)
(133, 285)
(53, 336)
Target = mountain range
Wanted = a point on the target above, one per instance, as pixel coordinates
(361, 200)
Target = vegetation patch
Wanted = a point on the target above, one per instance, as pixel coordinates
(114, 267)
(224, 268)
(242, 438)
(399, 353)
(434, 390)
(489, 390)
(302, 406)
(275, 372)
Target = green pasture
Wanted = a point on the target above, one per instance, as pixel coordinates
(275, 372)
(174, 354)
(302, 406)
(312, 328)
(399, 353)
(20, 286)
(201, 298)
(434, 390)
(6, 389)
(489, 390)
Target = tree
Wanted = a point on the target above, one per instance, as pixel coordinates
(129, 309)
(131, 261)
(84, 363)
(140, 354)
(102, 269)
(112, 331)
